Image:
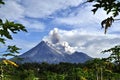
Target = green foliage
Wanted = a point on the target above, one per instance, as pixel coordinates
(44, 71)
(5, 33)
(110, 6)
(115, 54)
(86, 71)
(11, 51)
(21, 75)
(1, 2)
(8, 28)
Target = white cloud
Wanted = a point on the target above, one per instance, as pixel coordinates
(44, 8)
(83, 18)
(11, 10)
(34, 8)
(90, 43)
(33, 25)
(17, 10)
(86, 35)
(14, 11)
(115, 27)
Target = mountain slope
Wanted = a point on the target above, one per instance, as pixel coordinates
(45, 52)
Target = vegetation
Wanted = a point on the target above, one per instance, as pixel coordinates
(96, 69)
(110, 6)
(114, 56)
(7, 28)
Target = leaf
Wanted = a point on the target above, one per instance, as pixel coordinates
(115, 14)
(108, 11)
(8, 26)
(110, 6)
(2, 40)
(94, 10)
(10, 62)
(115, 53)
(6, 34)
(1, 21)
(1, 2)
(107, 23)
(15, 27)
(90, 0)
(8, 54)
(13, 49)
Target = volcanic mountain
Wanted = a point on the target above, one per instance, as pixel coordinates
(45, 52)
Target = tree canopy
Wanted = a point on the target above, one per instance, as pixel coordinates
(115, 54)
(110, 6)
(7, 28)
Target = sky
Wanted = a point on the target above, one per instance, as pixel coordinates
(72, 20)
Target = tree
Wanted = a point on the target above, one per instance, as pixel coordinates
(7, 28)
(110, 6)
(115, 54)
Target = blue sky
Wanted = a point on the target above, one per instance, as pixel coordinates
(74, 21)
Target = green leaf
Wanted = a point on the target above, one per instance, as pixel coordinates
(90, 0)
(97, 5)
(2, 40)
(10, 26)
(1, 21)
(13, 49)
(1, 2)
(115, 53)
(15, 27)
(108, 11)
(6, 34)
(8, 54)
(94, 10)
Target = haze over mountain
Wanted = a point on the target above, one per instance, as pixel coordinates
(53, 50)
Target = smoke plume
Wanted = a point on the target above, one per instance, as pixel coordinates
(56, 41)
(54, 36)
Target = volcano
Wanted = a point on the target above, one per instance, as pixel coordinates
(45, 52)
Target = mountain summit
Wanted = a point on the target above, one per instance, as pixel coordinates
(45, 52)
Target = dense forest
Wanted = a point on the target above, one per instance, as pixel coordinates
(96, 69)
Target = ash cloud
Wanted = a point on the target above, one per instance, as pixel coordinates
(54, 36)
(56, 41)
